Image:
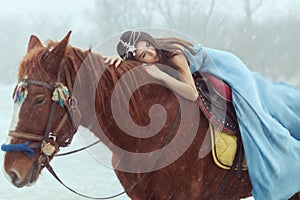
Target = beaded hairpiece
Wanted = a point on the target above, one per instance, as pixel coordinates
(130, 45)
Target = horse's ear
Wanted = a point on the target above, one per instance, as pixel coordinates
(55, 56)
(33, 43)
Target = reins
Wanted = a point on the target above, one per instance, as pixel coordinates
(78, 150)
(51, 170)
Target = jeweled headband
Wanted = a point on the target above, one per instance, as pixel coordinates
(130, 44)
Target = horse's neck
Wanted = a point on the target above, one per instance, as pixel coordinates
(94, 102)
(85, 74)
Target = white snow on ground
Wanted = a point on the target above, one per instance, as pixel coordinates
(80, 171)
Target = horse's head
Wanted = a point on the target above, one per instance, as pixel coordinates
(41, 120)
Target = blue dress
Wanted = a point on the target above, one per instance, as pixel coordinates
(269, 121)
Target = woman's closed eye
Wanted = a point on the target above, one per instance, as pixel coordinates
(143, 54)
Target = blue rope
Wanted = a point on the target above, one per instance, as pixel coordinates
(18, 147)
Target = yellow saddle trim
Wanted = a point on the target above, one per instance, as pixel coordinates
(224, 147)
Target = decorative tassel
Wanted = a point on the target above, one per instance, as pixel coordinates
(18, 147)
(20, 92)
(60, 94)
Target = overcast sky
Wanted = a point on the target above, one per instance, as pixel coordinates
(54, 9)
(93, 23)
(46, 6)
(79, 12)
(270, 8)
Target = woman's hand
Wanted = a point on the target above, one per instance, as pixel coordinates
(113, 60)
(155, 72)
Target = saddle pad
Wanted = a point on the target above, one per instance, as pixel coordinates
(224, 147)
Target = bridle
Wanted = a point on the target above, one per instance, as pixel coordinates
(47, 142)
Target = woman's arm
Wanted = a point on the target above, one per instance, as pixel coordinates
(185, 86)
(184, 72)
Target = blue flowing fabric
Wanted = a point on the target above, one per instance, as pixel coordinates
(269, 122)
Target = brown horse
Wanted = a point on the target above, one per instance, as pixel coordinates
(163, 165)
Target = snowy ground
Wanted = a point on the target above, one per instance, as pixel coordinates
(81, 171)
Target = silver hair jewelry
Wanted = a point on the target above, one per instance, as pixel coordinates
(130, 45)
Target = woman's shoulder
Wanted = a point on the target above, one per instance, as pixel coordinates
(179, 60)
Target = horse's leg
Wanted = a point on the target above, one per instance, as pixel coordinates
(295, 197)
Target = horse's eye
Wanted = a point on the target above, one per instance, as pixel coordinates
(39, 101)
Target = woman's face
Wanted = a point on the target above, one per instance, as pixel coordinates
(145, 52)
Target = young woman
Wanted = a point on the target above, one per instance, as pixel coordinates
(142, 47)
(268, 113)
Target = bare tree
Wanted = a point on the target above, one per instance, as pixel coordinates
(250, 9)
(210, 13)
(187, 16)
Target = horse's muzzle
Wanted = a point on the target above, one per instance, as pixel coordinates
(20, 181)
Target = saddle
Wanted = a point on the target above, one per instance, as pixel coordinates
(215, 102)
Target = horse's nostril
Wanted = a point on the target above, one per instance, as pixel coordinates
(14, 178)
